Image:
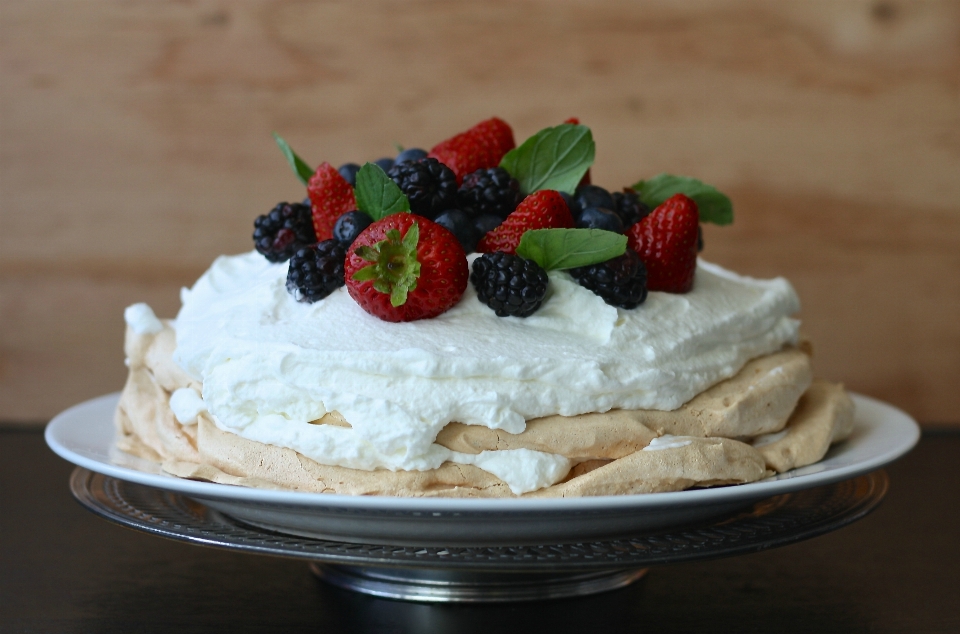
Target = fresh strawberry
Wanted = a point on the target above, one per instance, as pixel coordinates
(331, 196)
(544, 209)
(667, 243)
(480, 147)
(404, 267)
(586, 177)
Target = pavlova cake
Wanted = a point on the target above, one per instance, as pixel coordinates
(479, 320)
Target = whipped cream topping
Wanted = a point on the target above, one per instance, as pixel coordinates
(667, 441)
(767, 439)
(186, 404)
(141, 319)
(269, 364)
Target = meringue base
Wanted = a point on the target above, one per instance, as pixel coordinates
(769, 418)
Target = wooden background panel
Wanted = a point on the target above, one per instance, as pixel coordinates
(135, 145)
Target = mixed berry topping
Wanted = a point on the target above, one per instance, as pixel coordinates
(349, 225)
(280, 233)
(316, 271)
(620, 281)
(544, 209)
(462, 226)
(600, 218)
(410, 154)
(572, 204)
(509, 284)
(428, 184)
(404, 267)
(384, 163)
(482, 146)
(489, 191)
(330, 196)
(629, 207)
(666, 241)
(397, 230)
(594, 196)
(349, 172)
(485, 223)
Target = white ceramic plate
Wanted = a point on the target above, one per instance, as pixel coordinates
(84, 436)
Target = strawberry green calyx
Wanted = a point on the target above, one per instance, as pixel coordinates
(395, 267)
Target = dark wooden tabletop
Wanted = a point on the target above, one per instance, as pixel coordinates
(64, 570)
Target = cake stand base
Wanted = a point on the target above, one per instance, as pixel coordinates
(464, 586)
(486, 573)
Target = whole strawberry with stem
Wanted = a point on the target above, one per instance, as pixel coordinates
(544, 209)
(480, 147)
(666, 241)
(330, 196)
(404, 267)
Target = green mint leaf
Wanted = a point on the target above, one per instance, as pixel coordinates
(713, 205)
(377, 194)
(553, 158)
(555, 249)
(297, 164)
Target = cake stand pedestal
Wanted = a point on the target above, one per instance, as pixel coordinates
(489, 574)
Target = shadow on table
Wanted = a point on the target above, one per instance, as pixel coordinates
(638, 608)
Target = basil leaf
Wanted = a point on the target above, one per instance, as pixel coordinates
(297, 164)
(553, 158)
(713, 205)
(555, 249)
(377, 194)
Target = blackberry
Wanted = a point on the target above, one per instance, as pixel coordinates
(429, 185)
(489, 191)
(621, 281)
(316, 271)
(411, 154)
(600, 218)
(349, 225)
(629, 207)
(288, 227)
(509, 284)
(349, 173)
(594, 196)
(461, 226)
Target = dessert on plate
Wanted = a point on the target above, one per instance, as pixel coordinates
(479, 320)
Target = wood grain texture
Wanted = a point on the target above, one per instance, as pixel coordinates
(135, 145)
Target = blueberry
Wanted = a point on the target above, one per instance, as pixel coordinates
(307, 202)
(572, 204)
(385, 163)
(461, 226)
(600, 218)
(349, 226)
(349, 172)
(412, 154)
(594, 196)
(486, 223)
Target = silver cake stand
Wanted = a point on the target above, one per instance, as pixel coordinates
(489, 574)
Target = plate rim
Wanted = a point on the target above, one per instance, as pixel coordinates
(899, 421)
